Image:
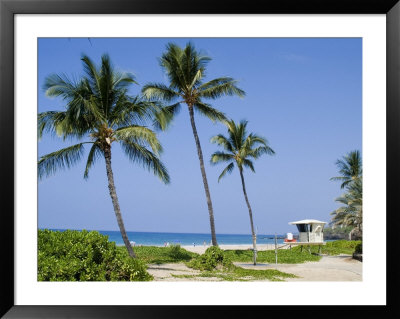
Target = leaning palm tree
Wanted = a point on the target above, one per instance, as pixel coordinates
(185, 69)
(239, 147)
(350, 168)
(98, 108)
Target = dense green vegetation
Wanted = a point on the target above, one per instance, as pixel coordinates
(162, 255)
(358, 248)
(213, 258)
(337, 232)
(217, 263)
(85, 256)
(89, 256)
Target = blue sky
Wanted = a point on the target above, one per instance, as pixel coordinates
(303, 95)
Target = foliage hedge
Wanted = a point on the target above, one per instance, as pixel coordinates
(212, 259)
(162, 255)
(85, 256)
(358, 248)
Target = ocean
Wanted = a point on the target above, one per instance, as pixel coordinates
(160, 239)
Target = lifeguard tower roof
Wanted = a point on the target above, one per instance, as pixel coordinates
(307, 221)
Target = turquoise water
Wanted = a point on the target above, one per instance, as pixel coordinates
(159, 239)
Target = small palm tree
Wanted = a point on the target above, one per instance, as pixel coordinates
(185, 69)
(350, 214)
(350, 168)
(239, 147)
(98, 107)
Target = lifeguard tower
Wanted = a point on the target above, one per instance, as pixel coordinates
(311, 232)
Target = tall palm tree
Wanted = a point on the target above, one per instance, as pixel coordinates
(240, 148)
(185, 69)
(98, 107)
(350, 168)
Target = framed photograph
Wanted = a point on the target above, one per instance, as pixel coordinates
(298, 86)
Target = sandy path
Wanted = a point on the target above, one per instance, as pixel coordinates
(329, 268)
(165, 272)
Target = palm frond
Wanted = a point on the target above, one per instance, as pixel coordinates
(227, 169)
(249, 164)
(210, 112)
(171, 62)
(61, 159)
(218, 157)
(158, 91)
(221, 140)
(60, 85)
(257, 152)
(50, 122)
(139, 135)
(128, 110)
(164, 117)
(220, 87)
(139, 154)
(94, 153)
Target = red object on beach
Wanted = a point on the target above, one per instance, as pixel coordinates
(290, 240)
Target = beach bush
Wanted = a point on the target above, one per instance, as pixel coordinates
(162, 255)
(212, 259)
(85, 256)
(358, 249)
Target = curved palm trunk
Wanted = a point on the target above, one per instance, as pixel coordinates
(114, 198)
(251, 218)
(203, 174)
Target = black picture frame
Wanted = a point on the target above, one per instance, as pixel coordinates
(8, 8)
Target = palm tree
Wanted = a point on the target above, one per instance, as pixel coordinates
(98, 107)
(350, 214)
(185, 69)
(350, 168)
(239, 147)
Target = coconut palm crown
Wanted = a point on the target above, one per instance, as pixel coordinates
(240, 148)
(98, 108)
(350, 168)
(185, 69)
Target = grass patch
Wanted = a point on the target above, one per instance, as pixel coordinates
(162, 255)
(240, 274)
(285, 256)
(295, 255)
(336, 247)
(218, 263)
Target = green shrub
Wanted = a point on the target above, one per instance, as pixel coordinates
(358, 248)
(212, 259)
(85, 256)
(162, 255)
